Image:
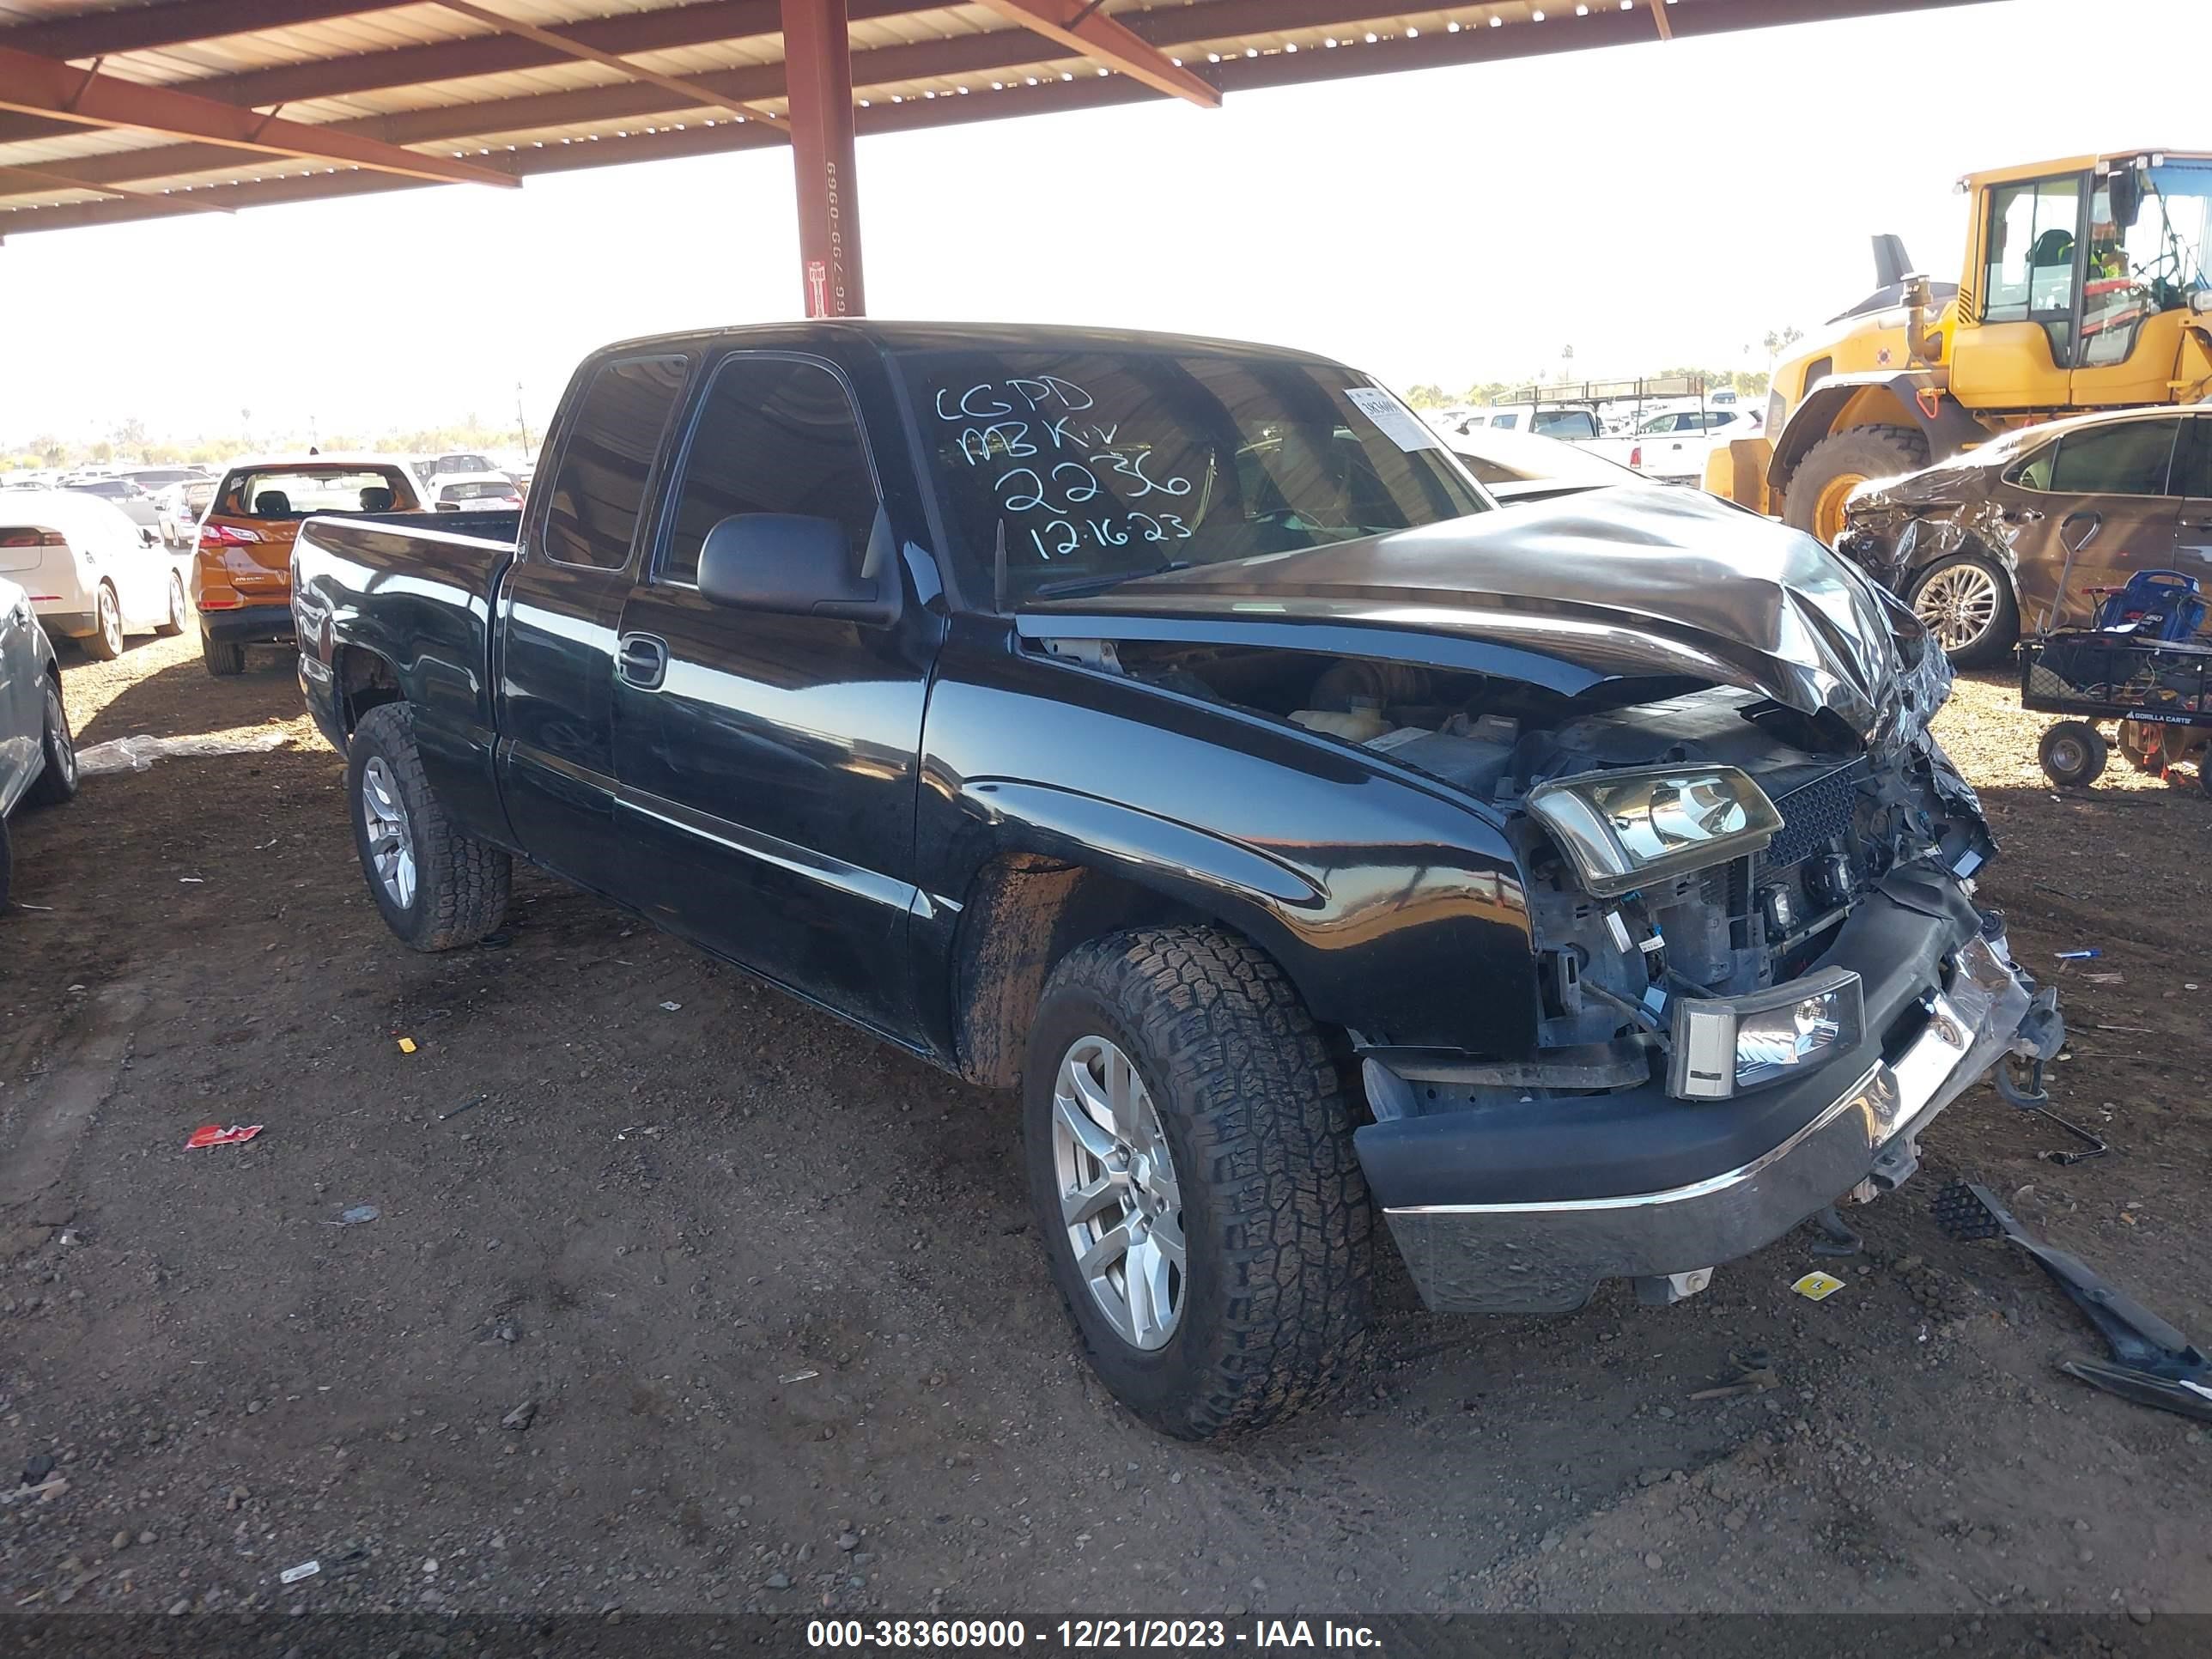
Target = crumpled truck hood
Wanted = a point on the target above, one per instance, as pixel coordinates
(1608, 584)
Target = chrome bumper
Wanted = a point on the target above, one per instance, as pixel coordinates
(1543, 1257)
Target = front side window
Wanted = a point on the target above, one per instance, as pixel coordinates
(2192, 459)
(1087, 465)
(597, 494)
(2127, 459)
(1506, 421)
(774, 435)
(2031, 272)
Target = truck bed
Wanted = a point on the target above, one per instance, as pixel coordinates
(415, 590)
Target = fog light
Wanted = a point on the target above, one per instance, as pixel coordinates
(1724, 1045)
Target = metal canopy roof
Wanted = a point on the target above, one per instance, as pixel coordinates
(172, 107)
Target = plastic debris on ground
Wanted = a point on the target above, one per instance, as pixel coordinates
(798, 1377)
(670, 1007)
(135, 753)
(466, 1106)
(294, 1575)
(359, 1214)
(407, 1045)
(2079, 956)
(1817, 1286)
(211, 1134)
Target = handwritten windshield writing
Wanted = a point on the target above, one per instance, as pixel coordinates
(1061, 477)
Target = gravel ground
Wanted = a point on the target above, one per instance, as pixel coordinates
(723, 1307)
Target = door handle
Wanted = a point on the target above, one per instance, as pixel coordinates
(643, 660)
(2023, 515)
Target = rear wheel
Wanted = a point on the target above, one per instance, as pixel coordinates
(437, 888)
(1967, 605)
(174, 624)
(105, 642)
(222, 660)
(1840, 463)
(2073, 753)
(1190, 1157)
(57, 779)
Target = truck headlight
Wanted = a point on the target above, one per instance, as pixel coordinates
(1724, 1045)
(1623, 829)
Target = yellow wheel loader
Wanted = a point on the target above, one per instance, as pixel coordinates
(2085, 287)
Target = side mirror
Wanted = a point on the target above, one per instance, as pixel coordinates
(792, 565)
(148, 534)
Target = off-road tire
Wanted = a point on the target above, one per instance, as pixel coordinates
(1869, 452)
(179, 607)
(222, 658)
(1278, 1226)
(461, 883)
(100, 645)
(57, 779)
(2073, 754)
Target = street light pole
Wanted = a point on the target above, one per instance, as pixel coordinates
(519, 420)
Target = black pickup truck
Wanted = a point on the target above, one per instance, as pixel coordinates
(1168, 730)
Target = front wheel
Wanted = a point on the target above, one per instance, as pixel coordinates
(105, 642)
(57, 778)
(437, 888)
(1967, 605)
(1820, 485)
(174, 624)
(1190, 1157)
(2073, 754)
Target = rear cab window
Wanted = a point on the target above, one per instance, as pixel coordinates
(598, 491)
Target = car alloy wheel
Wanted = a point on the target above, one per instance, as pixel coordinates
(1958, 605)
(1118, 1194)
(64, 745)
(391, 845)
(110, 622)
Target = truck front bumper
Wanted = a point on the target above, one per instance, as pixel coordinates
(1525, 1209)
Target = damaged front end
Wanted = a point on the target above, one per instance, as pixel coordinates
(1756, 971)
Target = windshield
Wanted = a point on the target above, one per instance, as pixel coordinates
(463, 464)
(1093, 464)
(486, 488)
(2165, 245)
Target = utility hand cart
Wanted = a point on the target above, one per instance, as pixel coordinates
(2141, 662)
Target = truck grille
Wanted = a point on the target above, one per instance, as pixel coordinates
(1816, 813)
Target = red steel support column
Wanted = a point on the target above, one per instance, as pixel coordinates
(818, 64)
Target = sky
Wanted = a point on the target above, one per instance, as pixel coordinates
(1648, 206)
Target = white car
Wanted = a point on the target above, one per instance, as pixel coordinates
(474, 492)
(91, 573)
(180, 507)
(1670, 445)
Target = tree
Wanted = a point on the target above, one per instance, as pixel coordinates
(1425, 396)
(1779, 341)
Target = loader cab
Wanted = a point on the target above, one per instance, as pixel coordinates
(2085, 284)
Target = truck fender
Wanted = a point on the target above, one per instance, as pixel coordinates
(1884, 396)
(1046, 867)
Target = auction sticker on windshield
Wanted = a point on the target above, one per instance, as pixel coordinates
(1397, 423)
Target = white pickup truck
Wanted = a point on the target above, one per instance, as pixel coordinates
(1670, 445)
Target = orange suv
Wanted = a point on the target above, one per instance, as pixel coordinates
(242, 572)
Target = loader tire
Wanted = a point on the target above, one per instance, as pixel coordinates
(1813, 499)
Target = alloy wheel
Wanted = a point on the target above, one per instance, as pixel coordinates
(1959, 605)
(391, 842)
(1119, 1198)
(65, 744)
(111, 621)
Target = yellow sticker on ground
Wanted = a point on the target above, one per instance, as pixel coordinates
(407, 1047)
(1816, 1284)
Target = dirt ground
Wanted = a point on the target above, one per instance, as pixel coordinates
(766, 1297)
